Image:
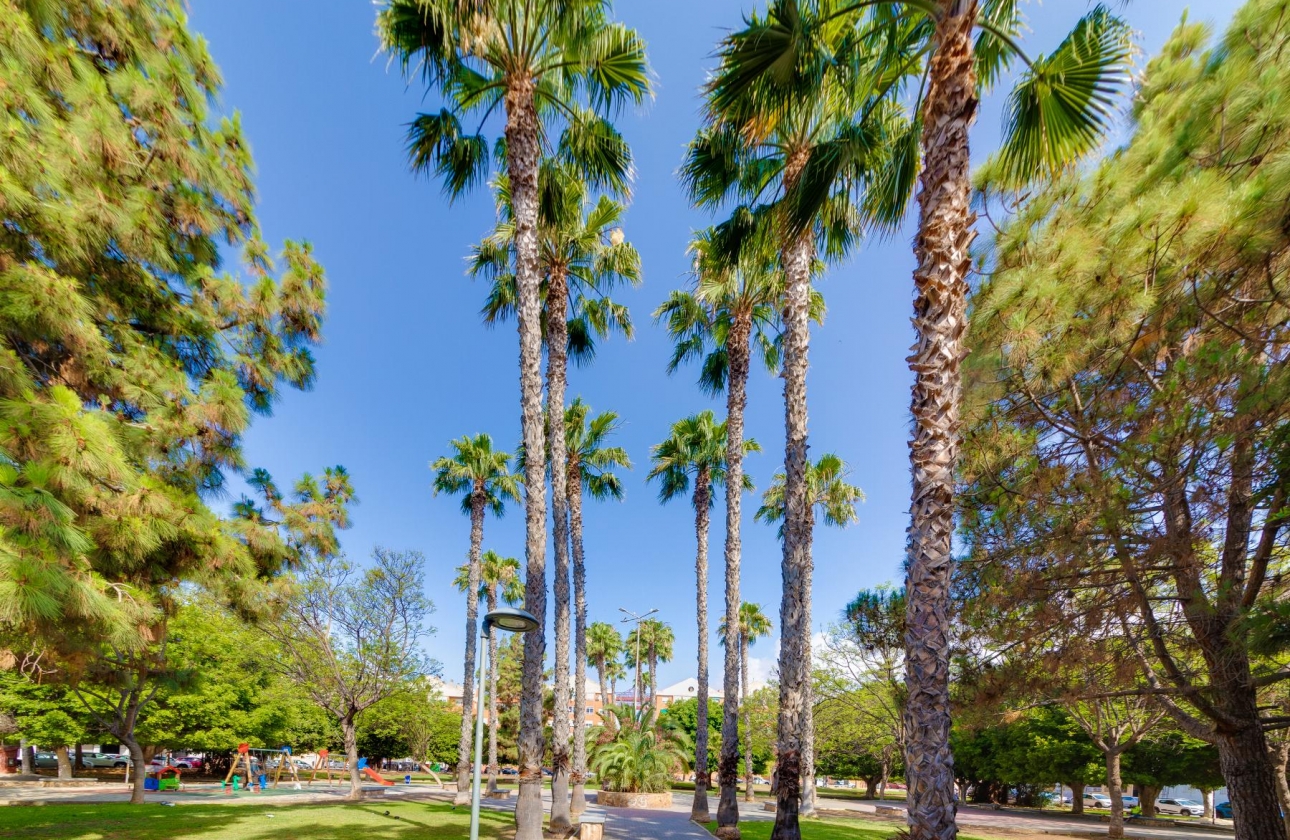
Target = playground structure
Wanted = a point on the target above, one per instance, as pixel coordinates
(245, 761)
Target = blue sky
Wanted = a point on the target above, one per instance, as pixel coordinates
(407, 364)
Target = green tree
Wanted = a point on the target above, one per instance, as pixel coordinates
(1163, 759)
(532, 60)
(697, 450)
(591, 464)
(686, 715)
(46, 714)
(482, 476)
(604, 648)
(827, 490)
(352, 636)
(1156, 340)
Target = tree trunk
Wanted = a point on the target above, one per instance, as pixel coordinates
(25, 759)
(1251, 782)
(942, 254)
(492, 698)
(1280, 755)
(870, 788)
(702, 515)
(138, 768)
(79, 762)
(1077, 797)
(743, 699)
(522, 154)
(350, 733)
(882, 783)
(557, 296)
(1115, 790)
(736, 403)
(606, 693)
(794, 621)
(1207, 799)
(465, 758)
(1147, 799)
(653, 676)
(808, 725)
(64, 762)
(578, 801)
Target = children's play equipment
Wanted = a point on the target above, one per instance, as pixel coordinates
(322, 765)
(285, 762)
(372, 774)
(165, 778)
(241, 774)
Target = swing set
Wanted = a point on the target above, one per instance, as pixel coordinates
(244, 774)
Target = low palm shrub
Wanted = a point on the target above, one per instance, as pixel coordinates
(642, 756)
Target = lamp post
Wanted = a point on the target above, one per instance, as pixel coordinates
(516, 621)
(637, 619)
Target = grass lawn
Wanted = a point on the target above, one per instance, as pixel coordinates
(358, 821)
(825, 830)
(820, 793)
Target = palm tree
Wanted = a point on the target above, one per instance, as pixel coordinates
(583, 256)
(698, 450)
(759, 143)
(499, 578)
(753, 625)
(590, 464)
(483, 477)
(1054, 116)
(604, 646)
(828, 491)
(528, 59)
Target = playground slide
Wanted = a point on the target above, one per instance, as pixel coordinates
(377, 777)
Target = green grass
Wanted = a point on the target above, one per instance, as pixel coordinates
(820, 793)
(826, 829)
(151, 821)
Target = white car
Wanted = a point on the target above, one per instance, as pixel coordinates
(1182, 807)
(1097, 800)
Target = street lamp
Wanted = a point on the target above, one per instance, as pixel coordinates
(634, 618)
(513, 620)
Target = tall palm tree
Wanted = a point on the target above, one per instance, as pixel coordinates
(753, 625)
(483, 478)
(603, 648)
(535, 61)
(591, 464)
(499, 578)
(659, 640)
(920, 55)
(583, 256)
(829, 492)
(697, 450)
(758, 145)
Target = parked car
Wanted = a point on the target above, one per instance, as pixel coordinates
(1130, 801)
(510, 771)
(46, 759)
(1097, 800)
(104, 760)
(1223, 810)
(1183, 807)
(186, 762)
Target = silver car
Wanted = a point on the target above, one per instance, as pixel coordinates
(1182, 807)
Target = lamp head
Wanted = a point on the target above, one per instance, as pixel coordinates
(512, 619)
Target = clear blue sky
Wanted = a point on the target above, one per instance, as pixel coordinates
(407, 364)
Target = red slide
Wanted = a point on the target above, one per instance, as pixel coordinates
(377, 777)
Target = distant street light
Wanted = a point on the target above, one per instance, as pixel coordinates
(513, 620)
(634, 618)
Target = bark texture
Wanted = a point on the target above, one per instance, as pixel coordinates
(736, 404)
(138, 766)
(473, 572)
(1280, 755)
(941, 251)
(64, 762)
(557, 296)
(522, 152)
(1251, 783)
(702, 515)
(794, 618)
(349, 731)
(492, 698)
(578, 799)
(1115, 790)
(743, 699)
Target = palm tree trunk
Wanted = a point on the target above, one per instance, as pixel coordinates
(794, 621)
(522, 153)
(736, 404)
(557, 294)
(492, 698)
(941, 250)
(473, 571)
(606, 693)
(702, 515)
(743, 699)
(808, 700)
(653, 675)
(578, 801)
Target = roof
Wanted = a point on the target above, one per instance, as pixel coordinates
(689, 687)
